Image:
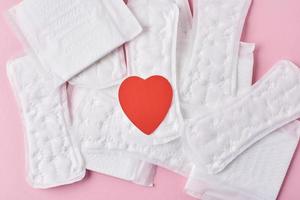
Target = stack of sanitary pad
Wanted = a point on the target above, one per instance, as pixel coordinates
(230, 139)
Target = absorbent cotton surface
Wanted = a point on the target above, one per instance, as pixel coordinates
(100, 111)
(210, 74)
(53, 158)
(110, 162)
(272, 102)
(257, 174)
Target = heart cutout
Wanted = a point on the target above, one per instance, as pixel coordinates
(146, 102)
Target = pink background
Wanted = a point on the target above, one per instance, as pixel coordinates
(273, 25)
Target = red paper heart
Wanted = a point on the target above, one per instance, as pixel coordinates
(146, 102)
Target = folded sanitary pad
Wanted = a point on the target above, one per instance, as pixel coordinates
(69, 35)
(255, 175)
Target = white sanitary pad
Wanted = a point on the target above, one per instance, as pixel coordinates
(151, 53)
(110, 162)
(210, 74)
(69, 35)
(257, 174)
(169, 155)
(52, 157)
(97, 109)
(220, 137)
(154, 53)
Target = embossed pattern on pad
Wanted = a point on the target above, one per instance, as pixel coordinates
(154, 53)
(52, 157)
(102, 103)
(70, 35)
(271, 103)
(256, 174)
(145, 58)
(114, 163)
(170, 155)
(210, 73)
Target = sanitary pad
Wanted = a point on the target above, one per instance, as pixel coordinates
(255, 175)
(99, 107)
(154, 53)
(258, 172)
(271, 103)
(99, 111)
(78, 40)
(210, 75)
(110, 162)
(151, 53)
(52, 157)
(172, 155)
(70, 35)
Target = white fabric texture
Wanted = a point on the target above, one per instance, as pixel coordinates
(271, 103)
(257, 174)
(95, 112)
(105, 73)
(154, 53)
(100, 132)
(266, 173)
(159, 28)
(209, 76)
(200, 47)
(113, 163)
(93, 116)
(121, 165)
(53, 158)
(76, 40)
(69, 35)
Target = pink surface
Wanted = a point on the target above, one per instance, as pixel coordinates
(273, 25)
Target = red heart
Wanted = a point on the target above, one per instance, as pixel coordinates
(146, 102)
